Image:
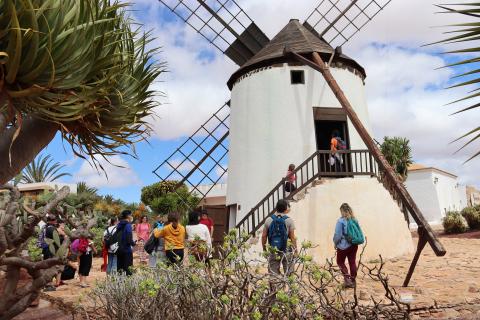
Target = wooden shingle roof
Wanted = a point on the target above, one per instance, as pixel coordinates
(297, 38)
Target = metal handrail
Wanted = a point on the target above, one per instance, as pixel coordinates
(314, 167)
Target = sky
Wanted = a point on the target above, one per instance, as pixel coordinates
(405, 88)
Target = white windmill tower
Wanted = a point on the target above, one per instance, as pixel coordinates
(284, 106)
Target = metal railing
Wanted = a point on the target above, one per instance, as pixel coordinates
(345, 163)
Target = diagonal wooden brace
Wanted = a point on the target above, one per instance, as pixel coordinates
(422, 241)
(427, 233)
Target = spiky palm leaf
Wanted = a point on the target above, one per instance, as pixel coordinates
(470, 34)
(82, 187)
(80, 65)
(43, 169)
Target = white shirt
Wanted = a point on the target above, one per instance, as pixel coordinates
(200, 231)
(111, 230)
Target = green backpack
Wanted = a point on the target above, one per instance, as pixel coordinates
(354, 232)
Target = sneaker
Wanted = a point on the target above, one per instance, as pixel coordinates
(49, 288)
(349, 284)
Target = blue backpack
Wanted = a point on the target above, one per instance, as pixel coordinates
(278, 233)
(354, 232)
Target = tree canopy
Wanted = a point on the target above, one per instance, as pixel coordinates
(80, 68)
(398, 153)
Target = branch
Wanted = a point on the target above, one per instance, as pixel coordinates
(29, 229)
(29, 265)
(35, 134)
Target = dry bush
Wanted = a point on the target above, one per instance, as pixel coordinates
(236, 287)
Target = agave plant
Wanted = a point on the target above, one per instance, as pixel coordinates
(75, 67)
(43, 169)
(468, 33)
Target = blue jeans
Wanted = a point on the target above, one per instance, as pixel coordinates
(112, 263)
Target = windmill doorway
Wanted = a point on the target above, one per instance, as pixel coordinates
(328, 120)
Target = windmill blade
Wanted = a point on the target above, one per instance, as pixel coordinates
(224, 24)
(337, 21)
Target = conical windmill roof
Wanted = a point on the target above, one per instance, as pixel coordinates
(297, 38)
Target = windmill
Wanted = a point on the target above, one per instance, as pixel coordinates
(285, 99)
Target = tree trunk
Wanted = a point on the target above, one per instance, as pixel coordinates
(35, 134)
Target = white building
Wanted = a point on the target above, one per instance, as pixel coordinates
(435, 192)
(36, 188)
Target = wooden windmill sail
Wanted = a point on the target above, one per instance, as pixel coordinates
(332, 23)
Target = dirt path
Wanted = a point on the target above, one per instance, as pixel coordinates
(441, 288)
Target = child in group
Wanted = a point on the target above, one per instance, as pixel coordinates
(85, 250)
(290, 179)
(158, 255)
(174, 235)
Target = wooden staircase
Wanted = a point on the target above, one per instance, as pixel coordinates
(313, 169)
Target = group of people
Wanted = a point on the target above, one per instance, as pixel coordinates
(80, 252)
(279, 233)
(166, 240)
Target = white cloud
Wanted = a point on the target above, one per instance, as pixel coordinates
(410, 102)
(118, 174)
(405, 92)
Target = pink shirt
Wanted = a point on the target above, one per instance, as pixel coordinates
(143, 231)
(290, 176)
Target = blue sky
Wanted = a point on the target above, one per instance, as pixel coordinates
(405, 91)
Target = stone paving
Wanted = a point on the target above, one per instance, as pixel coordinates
(441, 287)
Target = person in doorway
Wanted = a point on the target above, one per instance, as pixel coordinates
(278, 230)
(158, 255)
(343, 245)
(111, 246)
(336, 144)
(125, 243)
(206, 220)
(198, 237)
(174, 235)
(85, 259)
(143, 233)
(290, 183)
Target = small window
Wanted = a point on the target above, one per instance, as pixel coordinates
(297, 77)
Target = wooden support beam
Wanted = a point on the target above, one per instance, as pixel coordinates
(390, 175)
(422, 241)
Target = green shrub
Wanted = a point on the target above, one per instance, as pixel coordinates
(97, 239)
(236, 286)
(472, 215)
(34, 252)
(454, 223)
(153, 191)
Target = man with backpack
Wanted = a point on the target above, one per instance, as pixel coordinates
(348, 236)
(124, 236)
(337, 144)
(278, 230)
(46, 232)
(111, 245)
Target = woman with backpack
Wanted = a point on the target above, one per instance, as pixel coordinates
(346, 239)
(174, 235)
(111, 246)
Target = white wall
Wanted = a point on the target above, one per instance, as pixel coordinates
(272, 125)
(379, 216)
(435, 193)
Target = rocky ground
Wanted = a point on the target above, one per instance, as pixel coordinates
(441, 287)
